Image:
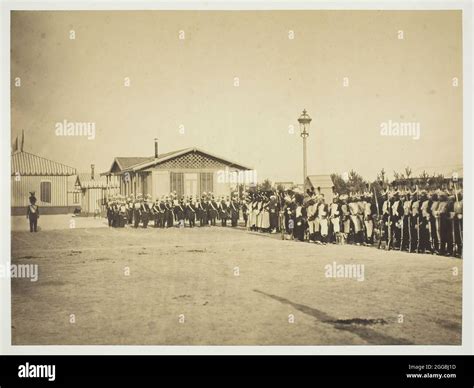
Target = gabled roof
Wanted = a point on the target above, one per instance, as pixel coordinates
(123, 163)
(152, 161)
(85, 181)
(24, 163)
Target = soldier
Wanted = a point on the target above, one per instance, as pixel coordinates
(155, 211)
(265, 214)
(386, 219)
(405, 234)
(162, 212)
(191, 213)
(346, 220)
(179, 212)
(137, 210)
(234, 211)
(415, 221)
(110, 211)
(355, 218)
(435, 237)
(122, 212)
(396, 217)
(146, 211)
(213, 210)
(458, 223)
(313, 221)
(116, 212)
(335, 218)
(204, 210)
(300, 221)
(223, 211)
(130, 200)
(169, 216)
(244, 205)
(451, 241)
(32, 213)
(368, 212)
(322, 215)
(274, 211)
(253, 212)
(426, 242)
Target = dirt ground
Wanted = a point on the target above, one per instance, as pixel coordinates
(170, 287)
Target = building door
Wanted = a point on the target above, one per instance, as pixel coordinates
(191, 184)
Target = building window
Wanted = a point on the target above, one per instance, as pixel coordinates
(206, 182)
(177, 183)
(45, 192)
(76, 197)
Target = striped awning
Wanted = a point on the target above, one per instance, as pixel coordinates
(24, 163)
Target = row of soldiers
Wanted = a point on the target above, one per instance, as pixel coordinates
(407, 220)
(171, 210)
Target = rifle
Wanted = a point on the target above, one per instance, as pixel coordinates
(389, 238)
(379, 218)
(402, 239)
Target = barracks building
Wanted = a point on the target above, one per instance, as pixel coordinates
(188, 172)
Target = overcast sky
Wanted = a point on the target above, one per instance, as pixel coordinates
(190, 82)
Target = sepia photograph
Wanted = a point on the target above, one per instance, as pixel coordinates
(236, 177)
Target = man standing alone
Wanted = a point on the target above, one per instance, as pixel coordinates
(32, 213)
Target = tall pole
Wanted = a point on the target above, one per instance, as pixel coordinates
(305, 121)
(304, 161)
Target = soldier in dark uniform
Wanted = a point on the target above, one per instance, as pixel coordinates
(415, 221)
(397, 213)
(169, 216)
(426, 242)
(386, 222)
(274, 210)
(145, 211)
(155, 211)
(370, 210)
(204, 210)
(32, 213)
(116, 212)
(435, 221)
(405, 223)
(122, 211)
(223, 211)
(300, 221)
(191, 212)
(212, 211)
(234, 212)
(110, 211)
(458, 224)
(161, 212)
(179, 212)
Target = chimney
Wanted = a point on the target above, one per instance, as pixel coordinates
(156, 148)
(92, 171)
